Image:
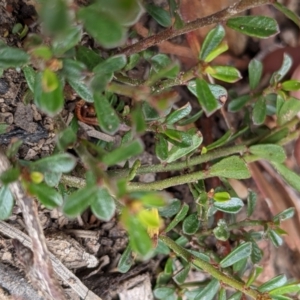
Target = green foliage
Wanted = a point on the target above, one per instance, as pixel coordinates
(55, 63)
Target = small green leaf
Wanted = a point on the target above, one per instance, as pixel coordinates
(288, 110)
(212, 40)
(190, 224)
(276, 137)
(257, 253)
(191, 119)
(288, 13)
(291, 85)
(59, 163)
(284, 215)
(221, 141)
(238, 103)
(205, 97)
(47, 196)
(256, 26)
(161, 147)
(179, 217)
(127, 12)
(104, 206)
(230, 167)
(275, 238)
(149, 112)
(285, 67)
(259, 111)
(29, 74)
(251, 203)
(55, 16)
(82, 90)
(123, 153)
(232, 206)
(153, 200)
(51, 178)
(236, 296)
(181, 276)
(257, 270)
(6, 202)
(222, 294)
(221, 232)
(138, 120)
(217, 51)
(104, 28)
(289, 288)
(273, 283)
(73, 69)
(209, 291)
(240, 266)
(126, 260)
(224, 73)
(178, 152)
(178, 114)
(106, 115)
(66, 40)
(270, 152)
(89, 57)
(161, 16)
(255, 71)
(289, 176)
(110, 65)
(219, 92)
(242, 251)
(79, 201)
(12, 57)
(48, 93)
(139, 239)
(10, 175)
(178, 138)
(163, 292)
(221, 196)
(170, 209)
(42, 52)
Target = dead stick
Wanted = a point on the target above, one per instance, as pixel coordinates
(64, 273)
(41, 260)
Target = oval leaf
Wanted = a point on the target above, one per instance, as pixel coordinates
(289, 176)
(106, 115)
(123, 153)
(58, 163)
(256, 26)
(255, 71)
(230, 167)
(104, 206)
(205, 97)
(6, 203)
(179, 217)
(191, 224)
(106, 30)
(47, 196)
(232, 206)
(212, 41)
(224, 73)
(273, 283)
(79, 201)
(209, 291)
(241, 252)
(259, 111)
(12, 57)
(270, 152)
(161, 16)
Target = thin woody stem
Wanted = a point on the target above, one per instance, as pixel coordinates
(215, 18)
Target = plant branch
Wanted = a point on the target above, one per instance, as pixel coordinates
(217, 17)
(212, 270)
